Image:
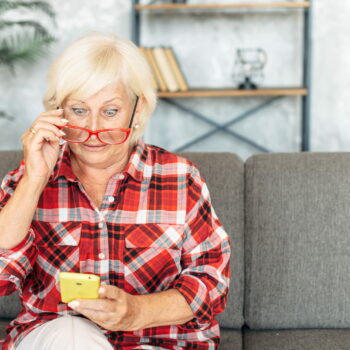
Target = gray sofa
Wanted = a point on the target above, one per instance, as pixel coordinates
(288, 216)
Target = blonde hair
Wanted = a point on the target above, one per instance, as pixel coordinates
(94, 61)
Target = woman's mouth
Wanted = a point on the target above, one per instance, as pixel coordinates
(94, 148)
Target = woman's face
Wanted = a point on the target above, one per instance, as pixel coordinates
(109, 108)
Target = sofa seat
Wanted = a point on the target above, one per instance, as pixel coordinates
(231, 339)
(296, 339)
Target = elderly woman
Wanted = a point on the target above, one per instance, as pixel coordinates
(91, 197)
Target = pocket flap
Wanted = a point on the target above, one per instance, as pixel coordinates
(164, 236)
(57, 233)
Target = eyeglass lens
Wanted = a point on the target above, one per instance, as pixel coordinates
(78, 135)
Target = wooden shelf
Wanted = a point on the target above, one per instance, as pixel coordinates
(299, 4)
(234, 93)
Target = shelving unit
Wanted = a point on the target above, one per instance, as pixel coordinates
(223, 6)
(276, 93)
(234, 93)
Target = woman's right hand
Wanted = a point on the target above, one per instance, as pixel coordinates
(41, 148)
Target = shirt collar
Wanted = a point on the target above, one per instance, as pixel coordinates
(139, 165)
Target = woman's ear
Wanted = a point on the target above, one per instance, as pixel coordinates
(139, 107)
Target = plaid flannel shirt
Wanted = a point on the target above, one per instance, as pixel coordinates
(155, 230)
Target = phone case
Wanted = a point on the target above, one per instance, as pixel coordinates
(74, 285)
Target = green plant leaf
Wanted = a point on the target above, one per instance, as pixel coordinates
(6, 5)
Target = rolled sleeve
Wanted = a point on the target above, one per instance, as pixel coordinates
(205, 276)
(15, 263)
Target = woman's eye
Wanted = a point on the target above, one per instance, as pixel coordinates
(111, 112)
(79, 111)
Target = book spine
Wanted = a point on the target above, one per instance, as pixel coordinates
(176, 69)
(154, 82)
(158, 74)
(165, 69)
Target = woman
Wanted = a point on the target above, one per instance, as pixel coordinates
(91, 197)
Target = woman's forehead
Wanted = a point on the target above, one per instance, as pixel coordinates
(110, 93)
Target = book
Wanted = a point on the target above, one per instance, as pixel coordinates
(157, 74)
(165, 69)
(154, 82)
(183, 86)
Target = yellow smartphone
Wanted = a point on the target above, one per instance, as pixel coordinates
(75, 285)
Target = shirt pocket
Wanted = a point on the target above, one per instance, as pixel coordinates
(58, 250)
(152, 256)
(58, 245)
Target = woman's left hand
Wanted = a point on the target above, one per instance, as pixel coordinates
(116, 310)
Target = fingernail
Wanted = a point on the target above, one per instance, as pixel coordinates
(65, 120)
(101, 290)
(74, 304)
(62, 132)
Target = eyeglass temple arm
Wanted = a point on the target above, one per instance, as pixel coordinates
(133, 112)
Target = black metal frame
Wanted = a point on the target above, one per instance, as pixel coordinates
(306, 100)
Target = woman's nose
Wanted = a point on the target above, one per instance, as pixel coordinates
(93, 123)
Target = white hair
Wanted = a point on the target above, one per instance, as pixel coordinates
(94, 61)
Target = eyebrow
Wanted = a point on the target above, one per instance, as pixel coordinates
(112, 99)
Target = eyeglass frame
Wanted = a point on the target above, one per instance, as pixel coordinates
(96, 132)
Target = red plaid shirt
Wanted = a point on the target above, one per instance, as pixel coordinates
(156, 230)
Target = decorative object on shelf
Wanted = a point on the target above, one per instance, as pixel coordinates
(167, 75)
(248, 69)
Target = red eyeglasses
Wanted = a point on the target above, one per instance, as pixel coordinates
(116, 136)
(76, 134)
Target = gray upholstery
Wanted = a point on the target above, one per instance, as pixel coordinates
(223, 173)
(298, 241)
(287, 215)
(314, 339)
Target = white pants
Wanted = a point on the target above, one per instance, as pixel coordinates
(68, 333)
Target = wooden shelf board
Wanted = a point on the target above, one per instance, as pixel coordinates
(299, 4)
(234, 92)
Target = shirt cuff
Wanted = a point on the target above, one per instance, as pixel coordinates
(197, 296)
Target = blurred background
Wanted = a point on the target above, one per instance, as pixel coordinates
(302, 44)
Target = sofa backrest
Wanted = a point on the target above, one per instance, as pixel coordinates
(297, 240)
(223, 173)
(10, 305)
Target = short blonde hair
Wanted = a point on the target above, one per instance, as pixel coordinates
(94, 61)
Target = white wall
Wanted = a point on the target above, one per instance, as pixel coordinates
(205, 45)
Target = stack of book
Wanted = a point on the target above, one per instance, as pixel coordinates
(167, 75)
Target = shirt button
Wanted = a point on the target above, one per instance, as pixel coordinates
(101, 256)
(110, 199)
(100, 225)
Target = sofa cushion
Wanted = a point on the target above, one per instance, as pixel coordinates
(9, 160)
(230, 339)
(308, 339)
(297, 241)
(223, 173)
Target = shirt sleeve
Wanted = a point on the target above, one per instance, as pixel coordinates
(205, 275)
(15, 263)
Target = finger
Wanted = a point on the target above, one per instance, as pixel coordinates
(55, 120)
(48, 126)
(110, 292)
(96, 316)
(44, 135)
(53, 112)
(104, 305)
